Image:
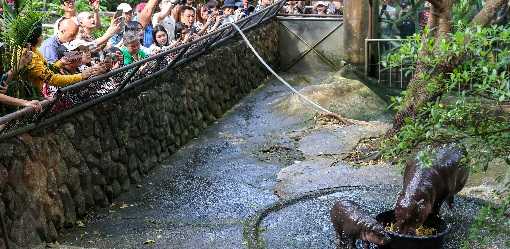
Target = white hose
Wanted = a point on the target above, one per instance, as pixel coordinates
(317, 106)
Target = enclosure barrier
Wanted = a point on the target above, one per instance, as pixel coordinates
(310, 42)
(74, 98)
(375, 52)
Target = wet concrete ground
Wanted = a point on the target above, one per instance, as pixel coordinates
(204, 195)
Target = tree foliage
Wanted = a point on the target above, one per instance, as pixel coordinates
(473, 94)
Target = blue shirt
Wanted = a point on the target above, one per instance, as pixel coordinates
(49, 49)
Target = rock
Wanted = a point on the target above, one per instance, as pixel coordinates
(340, 140)
(125, 185)
(97, 177)
(73, 180)
(116, 188)
(322, 173)
(80, 203)
(69, 207)
(135, 177)
(100, 198)
(22, 231)
(349, 98)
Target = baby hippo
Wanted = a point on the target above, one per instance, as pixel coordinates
(352, 223)
(426, 188)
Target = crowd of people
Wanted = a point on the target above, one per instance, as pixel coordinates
(334, 7)
(73, 53)
(396, 20)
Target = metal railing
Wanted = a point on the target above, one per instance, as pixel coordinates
(310, 42)
(79, 96)
(375, 51)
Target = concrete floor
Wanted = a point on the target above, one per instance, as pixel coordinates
(206, 192)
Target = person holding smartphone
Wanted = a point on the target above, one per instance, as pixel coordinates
(123, 15)
(69, 8)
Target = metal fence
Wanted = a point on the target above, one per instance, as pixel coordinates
(310, 42)
(375, 52)
(77, 97)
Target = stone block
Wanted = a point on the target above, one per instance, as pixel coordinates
(97, 177)
(69, 207)
(100, 198)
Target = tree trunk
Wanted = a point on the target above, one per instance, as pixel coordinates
(489, 12)
(440, 24)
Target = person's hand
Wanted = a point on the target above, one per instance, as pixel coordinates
(187, 37)
(218, 18)
(3, 89)
(95, 5)
(34, 104)
(115, 26)
(90, 72)
(156, 50)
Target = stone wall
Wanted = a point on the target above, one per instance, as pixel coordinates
(51, 176)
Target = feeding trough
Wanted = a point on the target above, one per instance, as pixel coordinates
(402, 241)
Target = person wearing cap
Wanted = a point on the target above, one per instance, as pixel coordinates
(127, 15)
(69, 8)
(67, 32)
(166, 17)
(321, 8)
(229, 7)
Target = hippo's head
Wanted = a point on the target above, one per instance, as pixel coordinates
(410, 214)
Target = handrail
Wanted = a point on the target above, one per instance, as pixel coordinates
(183, 52)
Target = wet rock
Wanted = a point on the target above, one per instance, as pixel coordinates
(338, 140)
(69, 207)
(100, 198)
(321, 173)
(80, 203)
(135, 177)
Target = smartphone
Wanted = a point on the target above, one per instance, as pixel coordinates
(122, 21)
(118, 13)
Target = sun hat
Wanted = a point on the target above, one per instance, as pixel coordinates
(125, 7)
(321, 3)
(79, 44)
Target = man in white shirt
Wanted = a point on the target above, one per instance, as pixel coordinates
(164, 17)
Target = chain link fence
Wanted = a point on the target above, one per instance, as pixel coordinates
(74, 98)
